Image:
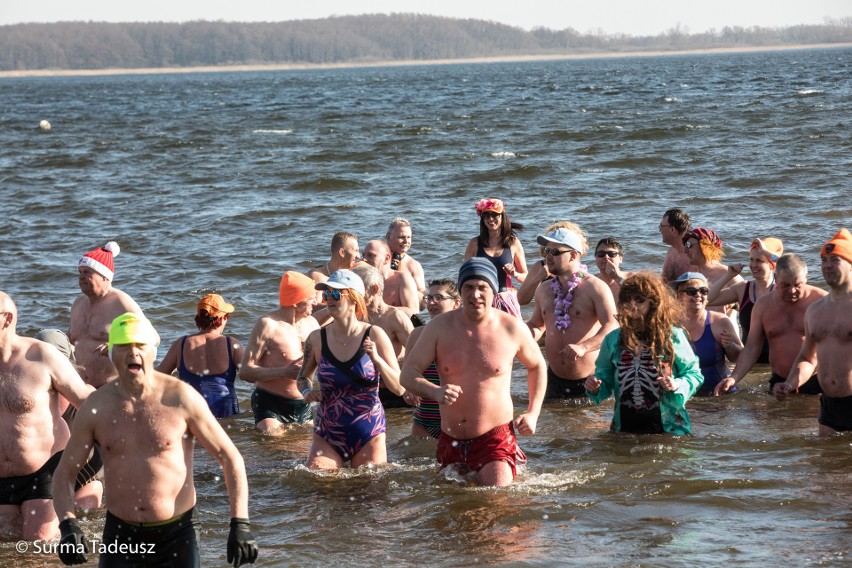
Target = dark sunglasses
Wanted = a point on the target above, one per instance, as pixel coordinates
(333, 294)
(555, 252)
(694, 291)
(609, 253)
(491, 214)
(436, 298)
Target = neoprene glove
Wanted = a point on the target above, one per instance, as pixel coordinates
(72, 547)
(242, 548)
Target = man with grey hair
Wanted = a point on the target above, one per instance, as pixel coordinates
(780, 318)
(400, 288)
(393, 321)
(399, 241)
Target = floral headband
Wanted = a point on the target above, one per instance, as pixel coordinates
(493, 205)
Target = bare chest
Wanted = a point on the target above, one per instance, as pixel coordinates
(141, 431)
(22, 393)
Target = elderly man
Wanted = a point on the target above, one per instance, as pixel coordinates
(273, 357)
(399, 241)
(575, 310)
(344, 254)
(146, 423)
(828, 340)
(474, 348)
(780, 318)
(92, 312)
(33, 375)
(400, 289)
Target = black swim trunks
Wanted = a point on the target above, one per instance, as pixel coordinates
(150, 545)
(286, 410)
(836, 413)
(390, 400)
(557, 387)
(37, 485)
(810, 387)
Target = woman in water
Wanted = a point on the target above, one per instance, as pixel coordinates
(350, 358)
(704, 249)
(208, 360)
(647, 363)
(761, 262)
(443, 297)
(711, 334)
(498, 243)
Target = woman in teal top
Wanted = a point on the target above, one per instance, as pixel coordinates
(648, 363)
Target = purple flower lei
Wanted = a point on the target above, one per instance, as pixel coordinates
(562, 302)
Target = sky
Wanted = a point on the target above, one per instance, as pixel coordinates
(633, 17)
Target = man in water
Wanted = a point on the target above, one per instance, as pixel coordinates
(400, 288)
(608, 257)
(33, 375)
(344, 254)
(574, 309)
(92, 312)
(147, 423)
(828, 340)
(780, 318)
(474, 348)
(394, 321)
(273, 357)
(673, 227)
(399, 241)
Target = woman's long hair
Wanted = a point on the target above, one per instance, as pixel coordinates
(508, 231)
(358, 300)
(663, 314)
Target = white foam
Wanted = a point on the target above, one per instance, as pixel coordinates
(271, 131)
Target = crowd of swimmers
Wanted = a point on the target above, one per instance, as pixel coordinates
(94, 416)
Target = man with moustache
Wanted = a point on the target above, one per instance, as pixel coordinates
(33, 375)
(273, 357)
(400, 289)
(828, 340)
(574, 309)
(780, 318)
(474, 348)
(92, 313)
(344, 254)
(399, 241)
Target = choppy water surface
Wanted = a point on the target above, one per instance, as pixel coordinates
(220, 182)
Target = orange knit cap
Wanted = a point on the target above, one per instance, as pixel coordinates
(840, 245)
(295, 287)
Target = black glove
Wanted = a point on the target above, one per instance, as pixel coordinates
(72, 547)
(242, 548)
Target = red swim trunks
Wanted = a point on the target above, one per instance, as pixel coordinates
(498, 444)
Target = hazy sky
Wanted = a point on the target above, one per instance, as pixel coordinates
(635, 17)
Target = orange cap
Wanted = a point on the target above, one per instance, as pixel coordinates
(773, 245)
(840, 245)
(215, 305)
(295, 287)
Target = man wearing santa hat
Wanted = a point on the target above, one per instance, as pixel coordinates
(93, 312)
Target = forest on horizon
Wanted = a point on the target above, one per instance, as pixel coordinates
(350, 39)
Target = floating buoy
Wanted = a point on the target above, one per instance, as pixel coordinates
(44, 126)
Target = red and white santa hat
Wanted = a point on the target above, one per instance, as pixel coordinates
(100, 259)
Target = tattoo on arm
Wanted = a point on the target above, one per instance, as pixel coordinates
(304, 382)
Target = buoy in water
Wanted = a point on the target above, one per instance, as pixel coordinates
(44, 126)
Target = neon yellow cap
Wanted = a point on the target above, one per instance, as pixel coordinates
(131, 328)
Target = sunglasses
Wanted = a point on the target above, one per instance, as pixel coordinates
(488, 214)
(333, 294)
(609, 253)
(692, 292)
(556, 252)
(436, 298)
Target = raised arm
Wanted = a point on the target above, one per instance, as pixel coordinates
(720, 295)
(605, 310)
(519, 261)
(535, 276)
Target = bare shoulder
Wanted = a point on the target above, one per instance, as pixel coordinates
(124, 300)
(594, 286)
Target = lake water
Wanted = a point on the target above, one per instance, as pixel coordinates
(219, 182)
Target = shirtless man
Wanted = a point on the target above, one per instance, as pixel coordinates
(394, 321)
(92, 313)
(828, 340)
(575, 310)
(674, 225)
(474, 348)
(780, 318)
(33, 375)
(400, 288)
(273, 357)
(399, 241)
(147, 424)
(344, 254)
(608, 257)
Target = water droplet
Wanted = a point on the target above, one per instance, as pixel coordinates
(216, 478)
(545, 517)
(455, 444)
(185, 436)
(405, 443)
(319, 452)
(351, 498)
(205, 372)
(94, 411)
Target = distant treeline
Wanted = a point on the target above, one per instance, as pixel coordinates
(347, 39)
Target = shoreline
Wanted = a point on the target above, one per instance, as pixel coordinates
(402, 63)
